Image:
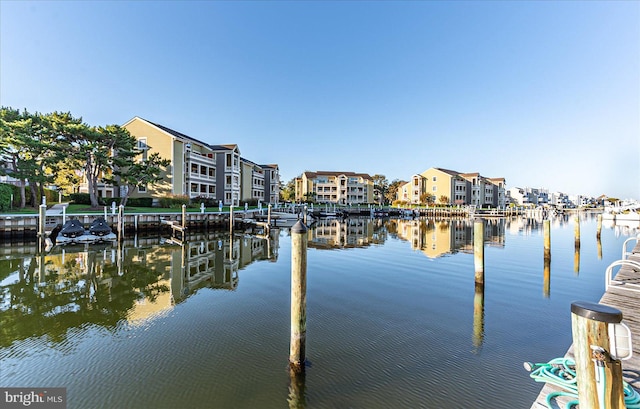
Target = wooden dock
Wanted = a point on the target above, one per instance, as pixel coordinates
(628, 302)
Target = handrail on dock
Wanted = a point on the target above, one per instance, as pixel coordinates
(622, 284)
(625, 253)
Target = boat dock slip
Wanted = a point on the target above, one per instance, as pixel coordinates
(622, 292)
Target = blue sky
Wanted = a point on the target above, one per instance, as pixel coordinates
(545, 94)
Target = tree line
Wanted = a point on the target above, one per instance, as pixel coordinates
(58, 149)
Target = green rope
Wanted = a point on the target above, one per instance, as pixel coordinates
(561, 372)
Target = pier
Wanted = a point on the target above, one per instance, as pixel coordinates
(624, 295)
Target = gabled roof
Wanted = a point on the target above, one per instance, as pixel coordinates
(448, 171)
(180, 135)
(337, 173)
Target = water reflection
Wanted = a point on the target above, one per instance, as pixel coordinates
(105, 284)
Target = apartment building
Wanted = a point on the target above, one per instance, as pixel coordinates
(528, 196)
(343, 188)
(458, 188)
(199, 169)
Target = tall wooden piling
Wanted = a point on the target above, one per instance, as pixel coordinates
(184, 217)
(478, 250)
(231, 220)
(42, 216)
(121, 222)
(590, 329)
(547, 258)
(599, 227)
(576, 230)
(269, 215)
(298, 296)
(547, 239)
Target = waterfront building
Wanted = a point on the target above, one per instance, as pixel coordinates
(529, 196)
(343, 188)
(451, 187)
(202, 170)
(259, 182)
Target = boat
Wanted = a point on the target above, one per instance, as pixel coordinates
(72, 229)
(74, 232)
(99, 227)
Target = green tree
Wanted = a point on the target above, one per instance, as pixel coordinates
(381, 185)
(288, 193)
(135, 173)
(427, 198)
(392, 190)
(97, 151)
(28, 150)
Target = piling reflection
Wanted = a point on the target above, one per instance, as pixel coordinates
(110, 284)
(297, 389)
(478, 317)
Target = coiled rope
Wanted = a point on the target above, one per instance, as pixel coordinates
(561, 372)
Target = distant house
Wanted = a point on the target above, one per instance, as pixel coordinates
(458, 188)
(199, 169)
(529, 196)
(343, 188)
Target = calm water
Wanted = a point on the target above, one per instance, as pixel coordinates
(393, 319)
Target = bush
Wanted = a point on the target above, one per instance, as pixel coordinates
(140, 202)
(208, 201)
(251, 202)
(106, 201)
(51, 195)
(5, 197)
(80, 198)
(173, 201)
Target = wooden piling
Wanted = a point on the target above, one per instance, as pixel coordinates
(599, 227)
(298, 296)
(269, 215)
(590, 328)
(576, 230)
(42, 216)
(478, 250)
(231, 220)
(121, 222)
(547, 239)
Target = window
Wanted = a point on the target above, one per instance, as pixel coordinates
(212, 189)
(194, 187)
(434, 178)
(228, 160)
(142, 188)
(194, 168)
(435, 188)
(212, 172)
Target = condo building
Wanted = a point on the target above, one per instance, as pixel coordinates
(199, 169)
(451, 187)
(344, 188)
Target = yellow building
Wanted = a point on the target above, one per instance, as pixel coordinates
(454, 188)
(335, 187)
(199, 169)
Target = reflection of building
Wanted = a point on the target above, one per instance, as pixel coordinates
(106, 283)
(339, 233)
(437, 238)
